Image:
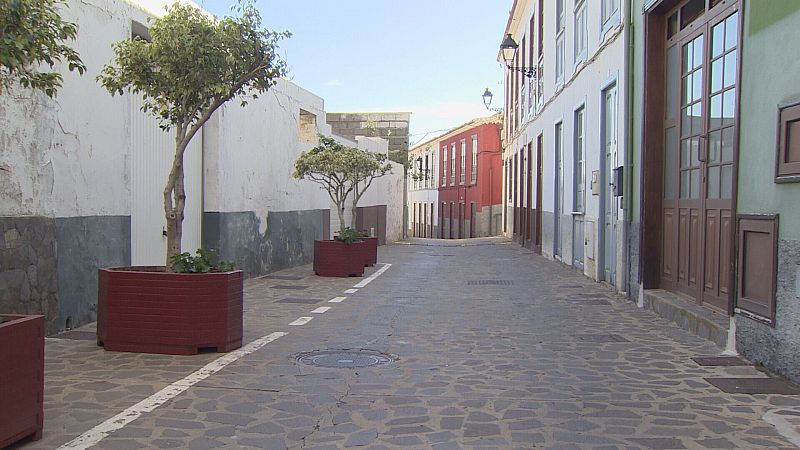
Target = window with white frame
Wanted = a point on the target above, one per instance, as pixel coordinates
(579, 148)
(461, 175)
(427, 173)
(560, 41)
(609, 14)
(433, 171)
(581, 41)
(453, 164)
(444, 166)
(474, 171)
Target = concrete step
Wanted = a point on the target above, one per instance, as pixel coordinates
(688, 315)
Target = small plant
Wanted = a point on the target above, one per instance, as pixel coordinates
(204, 262)
(349, 235)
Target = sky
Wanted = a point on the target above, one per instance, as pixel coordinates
(433, 58)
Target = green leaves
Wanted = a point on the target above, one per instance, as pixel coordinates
(204, 262)
(339, 168)
(31, 34)
(194, 63)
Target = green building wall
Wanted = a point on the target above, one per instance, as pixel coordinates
(769, 78)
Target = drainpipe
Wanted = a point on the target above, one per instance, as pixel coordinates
(628, 70)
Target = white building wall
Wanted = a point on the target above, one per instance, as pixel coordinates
(423, 191)
(583, 85)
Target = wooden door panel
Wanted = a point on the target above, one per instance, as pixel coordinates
(726, 243)
(668, 270)
(711, 260)
(694, 241)
(683, 245)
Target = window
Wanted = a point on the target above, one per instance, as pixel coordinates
(580, 31)
(433, 171)
(787, 167)
(308, 127)
(609, 14)
(444, 166)
(578, 175)
(757, 247)
(559, 41)
(453, 164)
(474, 159)
(531, 80)
(427, 172)
(540, 65)
(463, 162)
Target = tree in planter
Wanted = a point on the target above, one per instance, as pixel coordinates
(193, 65)
(333, 166)
(368, 167)
(31, 34)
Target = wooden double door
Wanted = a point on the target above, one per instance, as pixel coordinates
(699, 159)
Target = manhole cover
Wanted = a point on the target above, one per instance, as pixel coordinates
(490, 283)
(344, 359)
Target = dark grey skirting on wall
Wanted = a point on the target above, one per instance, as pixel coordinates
(86, 244)
(288, 240)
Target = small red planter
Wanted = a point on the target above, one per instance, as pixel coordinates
(147, 310)
(337, 259)
(370, 251)
(21, 378)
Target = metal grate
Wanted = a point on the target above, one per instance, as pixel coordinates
(601, 338)
(344, 359)
(281, 277)
(304, 301)
(754, 386)
(292, 287)
(720, 361)
(490, 283)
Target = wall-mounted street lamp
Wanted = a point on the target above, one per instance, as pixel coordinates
(509, 49)
(487, 101)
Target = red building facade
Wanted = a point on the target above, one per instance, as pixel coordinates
(470, 180)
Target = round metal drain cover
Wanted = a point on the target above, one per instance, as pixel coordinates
(344, 359)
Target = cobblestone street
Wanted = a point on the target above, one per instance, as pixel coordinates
(495, 347)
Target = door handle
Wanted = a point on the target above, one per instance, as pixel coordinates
(702, 150)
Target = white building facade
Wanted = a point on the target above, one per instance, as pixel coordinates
(565, 133)
(423, 190)
(82, 178)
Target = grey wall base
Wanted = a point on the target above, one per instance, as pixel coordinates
(28, 278)
(49, 265)
(777, 348)
(86, 244)
(287, 242)
(633, 262)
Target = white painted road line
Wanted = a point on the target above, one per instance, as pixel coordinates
(98, 433)
(321, 310)
(351, 291)
(372, 277)
(301, 321)
(337, 300)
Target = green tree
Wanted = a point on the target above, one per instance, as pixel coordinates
(193, 64)
(368, 166)
(32, 33)
(331, 165)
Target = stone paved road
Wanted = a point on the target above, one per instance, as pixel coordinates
(496, 348)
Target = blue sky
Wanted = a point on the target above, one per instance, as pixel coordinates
(433, 58)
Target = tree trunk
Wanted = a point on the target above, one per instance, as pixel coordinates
(175, 203)
(340, 211)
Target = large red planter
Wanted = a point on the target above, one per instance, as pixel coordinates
(148, 310)
(337, 259)
(370, 251)
(21, 378)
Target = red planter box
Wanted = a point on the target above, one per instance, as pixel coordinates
(21, 378)
(337, 259)
(370, 251)
(147, 310)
